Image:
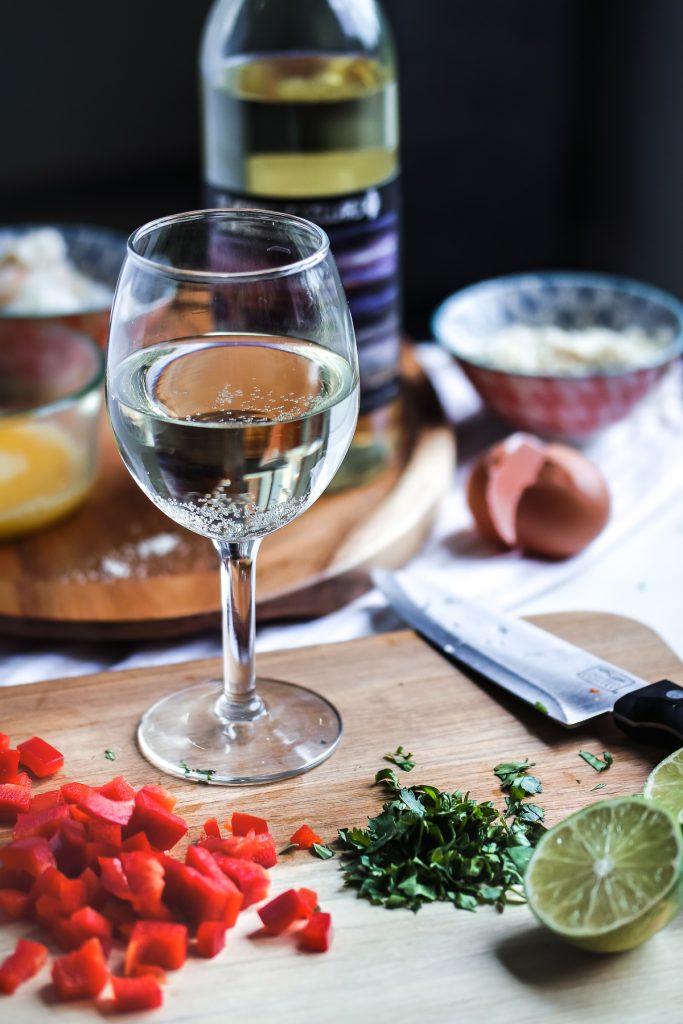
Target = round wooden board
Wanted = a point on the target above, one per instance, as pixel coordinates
(119, 569)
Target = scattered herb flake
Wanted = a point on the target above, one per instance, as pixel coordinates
(598, 785)
(324, 852)
(540, 706)
(598, 764)
(401, 759)
(427, 845)
(208, 773)
(109, 754)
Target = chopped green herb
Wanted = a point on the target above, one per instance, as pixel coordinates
(324, 852)
(401, 759)
(540, 706)
(426, 845)
(598, 785)
(208, 773)
(598, 764)
(109, 754)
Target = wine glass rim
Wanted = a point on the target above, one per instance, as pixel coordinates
(318, 254)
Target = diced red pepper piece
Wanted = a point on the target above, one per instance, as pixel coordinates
(118, 788)
(131, 994)
(44, 822)
(49, 798)
(25, 962)
(74, 792)
(95, 891)
(46, 910)
(5, 741)
(113, 878)
(283, 911)
(83, 924)
(316, 935)
(259, 848)
(121, 915)
(305, 837)
(32, 854)
(105, 832)
(9, 764)
(14, 799)
(48, 883)
(145, 877)
(40, 757)
(81, 974)
(161, 943)
(23, 779)
(212, 828)
(161, 795)
(118, 812)
(241, 824)
(138, 841)
(198, 897)
(210, 938)
(142, 970)
(310, 899)
(163, 828)
(203, 861)
(15, 904)
(251, 879)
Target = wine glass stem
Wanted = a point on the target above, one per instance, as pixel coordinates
(238, 597)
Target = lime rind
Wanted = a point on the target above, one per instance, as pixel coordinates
(664, 784)
(609, 876)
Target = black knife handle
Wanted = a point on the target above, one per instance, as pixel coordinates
(653, 713)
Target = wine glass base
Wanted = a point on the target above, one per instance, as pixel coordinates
(184, 736)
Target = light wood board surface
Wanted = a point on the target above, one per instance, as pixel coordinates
(384, 966)
(101, 574)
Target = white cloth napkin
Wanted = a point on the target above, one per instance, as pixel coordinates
(633, 568)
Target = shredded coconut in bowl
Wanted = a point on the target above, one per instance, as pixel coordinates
(37, 277)
(539, 349)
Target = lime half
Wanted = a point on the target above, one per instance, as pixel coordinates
(610, 876)
(664, 784)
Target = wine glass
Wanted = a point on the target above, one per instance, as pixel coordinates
(232, 389)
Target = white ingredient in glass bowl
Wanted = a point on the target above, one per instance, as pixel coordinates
(538, 349)
(37, 277)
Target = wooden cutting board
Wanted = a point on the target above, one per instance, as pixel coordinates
(118, 568)
(384, 966)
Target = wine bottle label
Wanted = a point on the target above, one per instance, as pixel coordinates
(363, 228)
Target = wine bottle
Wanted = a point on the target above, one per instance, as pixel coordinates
(300, 114)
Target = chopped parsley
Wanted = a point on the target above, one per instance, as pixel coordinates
(109, 754)
(401, 759)
(324, 852)
(208, 773)
(598, 764)
(426, 845)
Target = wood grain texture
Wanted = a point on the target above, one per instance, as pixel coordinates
(84, 578)
(384, 966)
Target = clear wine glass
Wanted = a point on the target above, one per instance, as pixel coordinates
(232, 389)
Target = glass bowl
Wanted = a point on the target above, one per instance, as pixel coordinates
(50, 398)
(575, 401)
(96, 253)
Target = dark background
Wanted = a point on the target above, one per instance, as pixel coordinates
(536, 133)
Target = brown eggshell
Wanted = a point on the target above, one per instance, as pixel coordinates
(566, 508)
(497, 481)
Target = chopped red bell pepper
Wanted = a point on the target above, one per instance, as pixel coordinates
(40, 757)
(118, 788)
(106, 832)
(305, 837)
(161, 943)
(14, 799)
(212, 828)
(250, 878)
(49, 798)
(74, 792)
(43, 822)
(316, 935)
(131, 994)
(5, 741)
(15, 904)
(163, 828)
(161, 795)
(25, 962)
(32, 854)
(204, 862)
(310, 899)
(283, 911)
(210, 938)
(118, 812)
(138, 841)
(113, 878)
(145, 875)
(81, 974)
(259, 848)
(241, 824)
(83, 924)
(200, 898)
(9, 764)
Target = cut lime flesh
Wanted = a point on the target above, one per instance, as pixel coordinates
(609, 876)
(664, 784)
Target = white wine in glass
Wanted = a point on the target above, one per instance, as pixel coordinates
(232, 389)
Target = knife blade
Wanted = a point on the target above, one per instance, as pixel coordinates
(556, 677)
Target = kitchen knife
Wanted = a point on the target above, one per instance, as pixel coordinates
(556, 677)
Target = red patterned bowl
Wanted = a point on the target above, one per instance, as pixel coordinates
(561, 405)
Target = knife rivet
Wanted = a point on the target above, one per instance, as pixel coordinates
(675, 694)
